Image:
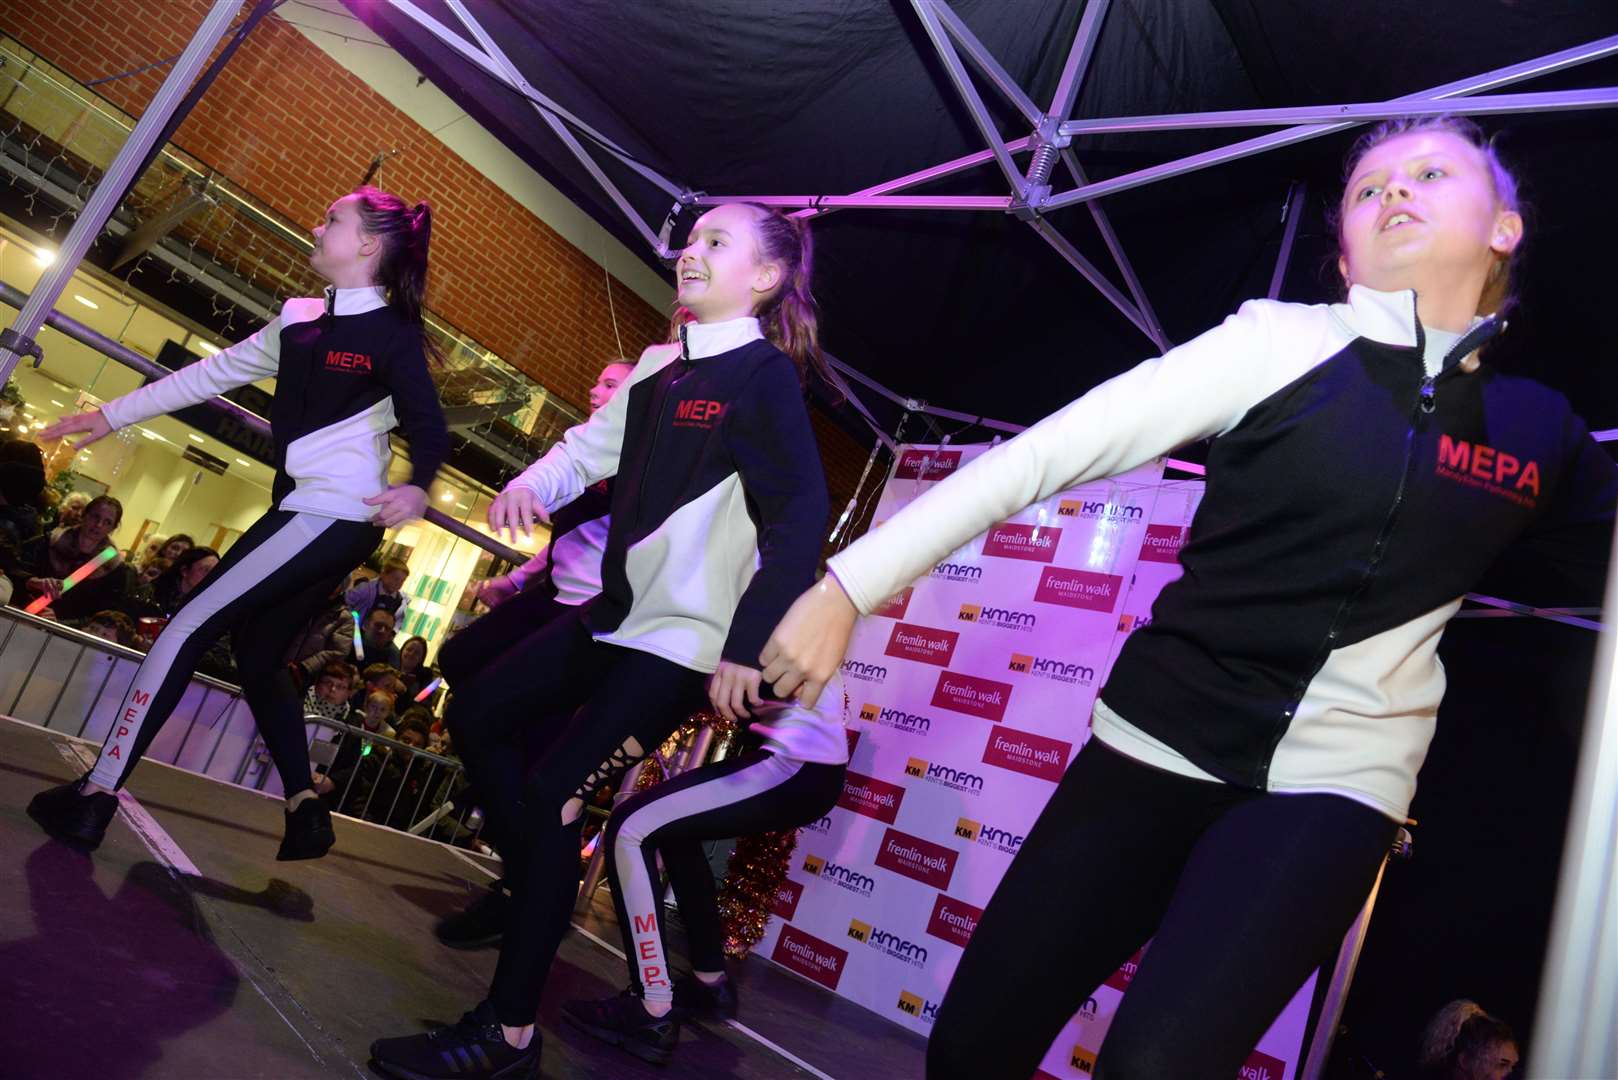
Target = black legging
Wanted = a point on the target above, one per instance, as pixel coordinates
(269, 584)
(754, 792)
(482, 641)
(1241, 892)
(631, 702)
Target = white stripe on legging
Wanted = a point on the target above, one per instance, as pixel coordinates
(272, 554)
(640, 901)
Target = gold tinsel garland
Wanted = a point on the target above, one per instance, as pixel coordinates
(757, 868)
(759, 863)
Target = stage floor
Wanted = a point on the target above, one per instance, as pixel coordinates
(188, 952)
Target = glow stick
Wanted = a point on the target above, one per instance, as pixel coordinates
(427, 691)
(359, 646)
(43, 601)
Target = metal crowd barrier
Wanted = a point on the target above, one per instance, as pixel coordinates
(433, 811)
(69, 681)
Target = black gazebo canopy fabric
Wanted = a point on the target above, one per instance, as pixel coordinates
(972, 311)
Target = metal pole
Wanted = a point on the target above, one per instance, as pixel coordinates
(1078, 59)
(1116, 247)
(968, 94)
(985, 62)
(1576, 1031)
(1076, 259)
(1291, 213)
(110, 191)
(1477, 84)
(1549, 101)
(1331, 1008)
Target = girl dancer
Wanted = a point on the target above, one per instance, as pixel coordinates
(793, 778)
(1256, 745)
(551, 584)
(717, 515)
(348, 369)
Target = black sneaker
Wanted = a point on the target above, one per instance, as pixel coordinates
(694, 997)
(76, 819)
(474, 1049)
(623, 1021)
(309, 834)
(480, 924)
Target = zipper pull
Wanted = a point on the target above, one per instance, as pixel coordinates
(1427, 402)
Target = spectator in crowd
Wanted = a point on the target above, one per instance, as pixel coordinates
(384, 593)
(185, 573)
(112, 626)
(177, 545)
(50, 559)
(22, 490)
(152, 549)
(376, 633)
(376, 678)
(377, 716)
(328, 695)
(414, 670)
(1462, 1042)
(151, 568)
(328, 636)
(71, 509)
(168, 593)
(439, 742)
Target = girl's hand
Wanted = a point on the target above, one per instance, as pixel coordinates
(45, 586)
(399, 504)
(803, 653)
(497, 590)
(92, 422)
(516, 508)
(731, 687)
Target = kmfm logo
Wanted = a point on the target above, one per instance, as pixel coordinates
(897, 719)
(1128, 624)
(871, 673)
(1048, 668)
(891, 944)
(1004, 618)
(823, 826)
(989, 836)
(957, 572)
(855, 882)
(1083, 1059)
(1101, 510)
(945, 776)
(918, 1007)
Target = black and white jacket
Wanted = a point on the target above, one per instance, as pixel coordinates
(347, 371)
(719, 503)
(1356, 490)
(569, 568)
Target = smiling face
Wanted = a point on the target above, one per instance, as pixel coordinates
(719, 275)
(1420, 212)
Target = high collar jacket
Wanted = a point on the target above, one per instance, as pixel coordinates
(1355, 493)
(347, 371)
(719, 504)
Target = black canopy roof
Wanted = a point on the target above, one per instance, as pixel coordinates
(971, 310)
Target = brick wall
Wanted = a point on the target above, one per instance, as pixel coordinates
(296, 130)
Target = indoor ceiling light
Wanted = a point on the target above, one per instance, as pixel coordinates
(243, 461)
(44, 257)
(208, 347)
(193, 436)
(86, 301)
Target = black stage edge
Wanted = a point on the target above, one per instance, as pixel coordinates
(116, 967)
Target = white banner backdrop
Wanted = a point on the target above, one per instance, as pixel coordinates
(969, 694)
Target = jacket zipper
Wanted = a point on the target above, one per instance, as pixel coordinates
(662, 413)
